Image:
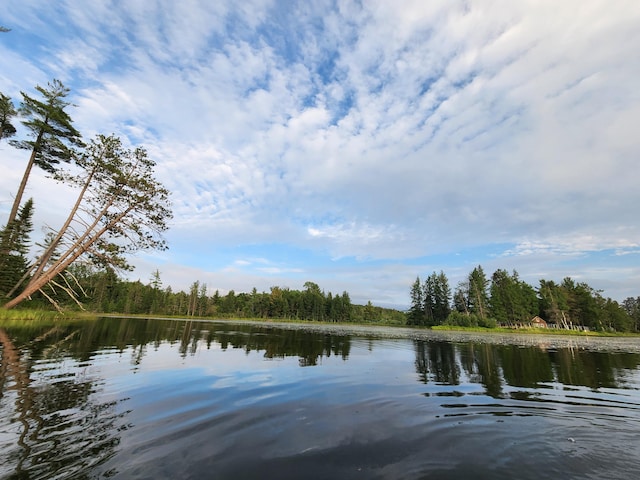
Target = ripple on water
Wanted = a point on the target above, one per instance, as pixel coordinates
(377, 408)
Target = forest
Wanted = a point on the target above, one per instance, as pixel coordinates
(120, 207)
(505, 300)
(103, 291)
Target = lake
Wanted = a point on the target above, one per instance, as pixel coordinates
(151, 398)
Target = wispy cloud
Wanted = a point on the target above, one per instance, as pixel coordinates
(377, 131)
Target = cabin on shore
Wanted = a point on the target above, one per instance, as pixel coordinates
(537, 322)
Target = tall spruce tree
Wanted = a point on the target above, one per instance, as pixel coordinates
(429, 294)
(478, 296)
(437, 299)
(416, 314)
(442, 298)
(53, 136)
(13, 259)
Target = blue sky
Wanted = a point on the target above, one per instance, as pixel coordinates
(356, 144)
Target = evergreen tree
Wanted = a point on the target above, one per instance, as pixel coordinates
(437, 299)
(193, 298)
(429, 299)
(613, 316)
(52, 132)
(313, 299)
(346, 309)
(7, 112)
(512, 300)
(461, 298)
(442, 304)
(631, 305)
(478, 299)
(203, 301)
(416, 314)
(14, 239)
(369, 314)
(553, 303)
(156, 287)
(583, 304)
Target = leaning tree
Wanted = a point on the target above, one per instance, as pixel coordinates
(52, 135)
(120, 209)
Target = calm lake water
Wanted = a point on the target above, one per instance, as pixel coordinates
(133, 398)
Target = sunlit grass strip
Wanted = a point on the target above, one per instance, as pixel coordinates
(526, 331)
(20, 316)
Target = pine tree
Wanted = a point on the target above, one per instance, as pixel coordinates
(442, 307)
(512, 300)
(120, 209)
(52, 132)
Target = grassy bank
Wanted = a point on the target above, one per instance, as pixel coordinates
(20, 315)
(533, 331)
(9, 315)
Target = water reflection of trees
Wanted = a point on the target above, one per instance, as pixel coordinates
(81, 340)
(58, 425)
(436, 362)
(309, 346)
(496, 366)
(481, 366)
(52, 403)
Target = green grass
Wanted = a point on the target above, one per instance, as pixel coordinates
(19, 314)
(532, 331)
(17, 317)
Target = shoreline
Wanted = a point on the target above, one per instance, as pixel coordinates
(549, 341)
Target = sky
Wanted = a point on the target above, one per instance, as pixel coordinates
(355, 144)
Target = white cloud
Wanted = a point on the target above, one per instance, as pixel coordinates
(382, 131)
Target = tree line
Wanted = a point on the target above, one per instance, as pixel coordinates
(103, 291)
(119, 208)
(506, 300)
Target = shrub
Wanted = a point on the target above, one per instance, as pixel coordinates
(460, 319)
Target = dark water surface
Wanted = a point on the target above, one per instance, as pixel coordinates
(132, 398)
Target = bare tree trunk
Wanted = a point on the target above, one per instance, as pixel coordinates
(48, 253)
(40, 264)
(121, 186)
(80, 247)
(479, 301)
(25, 177)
